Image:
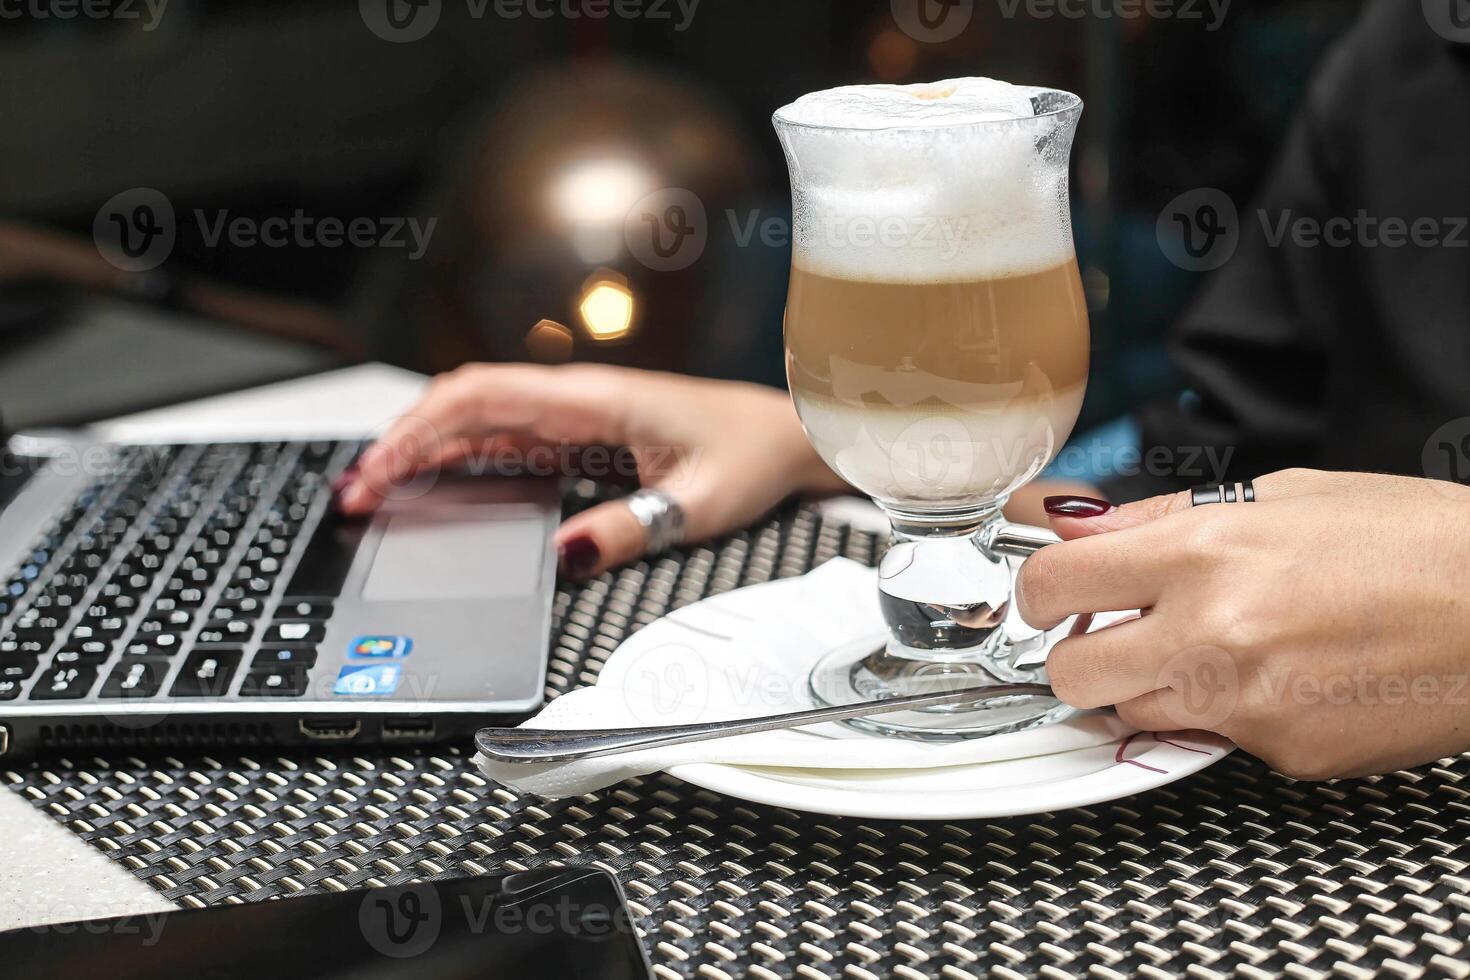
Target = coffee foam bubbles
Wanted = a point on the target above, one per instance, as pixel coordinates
(925, 183)
(953, 102)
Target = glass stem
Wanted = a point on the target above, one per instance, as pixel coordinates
(944, 594)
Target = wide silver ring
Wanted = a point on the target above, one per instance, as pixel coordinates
(661, 516)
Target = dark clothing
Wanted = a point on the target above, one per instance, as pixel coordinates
(1350, 353)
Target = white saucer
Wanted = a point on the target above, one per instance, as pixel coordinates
(1050, 780)
(749, 653)
(996, 789)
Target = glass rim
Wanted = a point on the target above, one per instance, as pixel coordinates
(1071, 103)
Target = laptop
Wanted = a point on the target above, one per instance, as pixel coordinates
(180, 595)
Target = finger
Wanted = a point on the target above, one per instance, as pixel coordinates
(1076, 517)
(1108, 666)
(356, 494)
(1122, 571)
(1162, 710)
(578, 405)
(597, 539)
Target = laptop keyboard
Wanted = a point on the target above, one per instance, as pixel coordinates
(178, 570)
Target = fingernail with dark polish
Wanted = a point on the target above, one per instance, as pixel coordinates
(1076, 506)
(579, 556)
(344, 480)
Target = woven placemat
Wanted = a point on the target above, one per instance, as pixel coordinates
(1234, 870)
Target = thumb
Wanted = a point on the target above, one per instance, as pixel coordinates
(1080, 517)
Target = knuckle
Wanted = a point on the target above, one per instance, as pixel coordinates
(457, 377)
(1236, 627)
(1038, 585)
(1297, 479)
(1075, 676)
(1134, 713)
(1207, 540)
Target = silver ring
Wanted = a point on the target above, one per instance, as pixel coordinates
(1224, 493)
(661, 516)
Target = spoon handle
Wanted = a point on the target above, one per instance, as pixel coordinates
(532, 745)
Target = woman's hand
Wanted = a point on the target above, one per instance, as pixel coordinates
(726, 452)
(1324, 628)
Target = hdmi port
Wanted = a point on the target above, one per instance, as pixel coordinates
(408, 729)
(330, 729)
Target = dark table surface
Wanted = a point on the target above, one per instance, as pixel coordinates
(1234, 870)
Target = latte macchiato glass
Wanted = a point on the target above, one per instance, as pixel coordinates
(937, 350)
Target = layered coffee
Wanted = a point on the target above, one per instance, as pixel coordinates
(936, 330)
(941, 392)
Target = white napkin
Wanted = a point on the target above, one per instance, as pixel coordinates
(748, 653)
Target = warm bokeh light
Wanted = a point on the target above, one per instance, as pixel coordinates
(892, 55)
(550, 342)
(592, 198)
(607, 307)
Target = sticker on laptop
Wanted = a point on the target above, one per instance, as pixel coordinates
(380, 647)
(368, 680)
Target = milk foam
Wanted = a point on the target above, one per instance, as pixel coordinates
(942, 182)
(952, 102)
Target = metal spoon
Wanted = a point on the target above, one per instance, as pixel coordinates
(529, 745)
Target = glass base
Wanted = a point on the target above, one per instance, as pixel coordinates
(868, 672)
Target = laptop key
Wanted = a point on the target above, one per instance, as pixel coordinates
(277, 682)
(81, 655)
(17, 668)
(64, 683)
(136, 679)
(9, 689)
(139, 649)
(295, 634)
(86, 633)
(286, 657)
(305, 608)
(206, 674)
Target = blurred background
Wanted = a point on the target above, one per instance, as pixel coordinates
(199, 196)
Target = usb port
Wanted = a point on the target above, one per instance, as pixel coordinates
(330, 729)
(408, 728)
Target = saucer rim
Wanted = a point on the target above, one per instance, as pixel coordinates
(1115, 782)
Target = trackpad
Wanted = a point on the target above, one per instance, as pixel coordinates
(458, 553)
